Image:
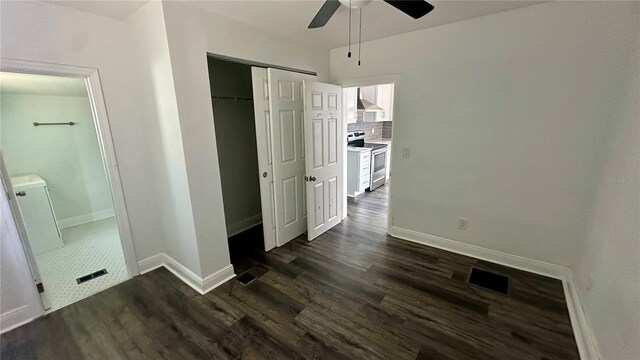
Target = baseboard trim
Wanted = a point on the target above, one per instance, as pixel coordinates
(582, 329)
(218, 278)
(243, 225)
(498, 257)
(14, 318)
(151, 263)
(85, 218)
(585, 339)
(197, 283)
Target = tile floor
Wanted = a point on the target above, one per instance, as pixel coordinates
(87, 248)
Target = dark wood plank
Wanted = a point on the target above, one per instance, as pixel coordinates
(352, 293)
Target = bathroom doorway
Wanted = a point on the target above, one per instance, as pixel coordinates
(60, 188)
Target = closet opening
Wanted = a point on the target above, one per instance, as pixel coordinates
(235, 131)
(279, 136)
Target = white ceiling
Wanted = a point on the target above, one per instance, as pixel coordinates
(115, 9)
(27, 84)
(290, 18)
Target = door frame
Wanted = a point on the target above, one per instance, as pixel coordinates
(369, 81)
(91, 77)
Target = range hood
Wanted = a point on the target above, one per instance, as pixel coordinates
(366, 105)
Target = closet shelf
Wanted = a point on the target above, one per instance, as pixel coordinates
(231, 98)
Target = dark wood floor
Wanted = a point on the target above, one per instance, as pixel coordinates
(353, 293)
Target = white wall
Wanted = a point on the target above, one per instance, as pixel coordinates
(19, 300)
(608, 269)
(43, 32)
(503, 115)
(192, 33)
(159, 108)
(234, 122)
(526, 123)
(67, 157)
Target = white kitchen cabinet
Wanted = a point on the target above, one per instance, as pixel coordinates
(358, 170)
(384, 99)
(350, 101)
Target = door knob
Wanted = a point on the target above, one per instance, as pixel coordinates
(312, 178)
(264, 174)
(21, 193)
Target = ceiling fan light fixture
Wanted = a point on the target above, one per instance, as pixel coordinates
(349, 53)
(414, 8)
(355, 4)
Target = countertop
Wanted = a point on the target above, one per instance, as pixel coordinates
(381, 141)
(358, 149)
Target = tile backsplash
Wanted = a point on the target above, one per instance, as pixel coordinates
(386, 129)
(373, 130)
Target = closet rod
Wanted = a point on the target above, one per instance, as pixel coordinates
(233, 98)
(70, 123)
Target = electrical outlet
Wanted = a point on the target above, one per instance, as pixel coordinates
(463, 223)
(405, 152)
(373, 131)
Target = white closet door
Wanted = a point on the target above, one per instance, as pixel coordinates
(324, 145)
(287, 134)
(265, 158)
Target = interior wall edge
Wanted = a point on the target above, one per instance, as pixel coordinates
(582, 329)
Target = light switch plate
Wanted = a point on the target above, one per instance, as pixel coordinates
(405, 152)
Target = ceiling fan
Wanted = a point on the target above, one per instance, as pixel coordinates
(414, 8)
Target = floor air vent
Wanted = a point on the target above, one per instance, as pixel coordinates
(91, 276)
(489, 280)
(252, 274)
(246, 278)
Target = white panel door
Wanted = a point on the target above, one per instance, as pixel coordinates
(324, 151)
(287, 133)
(265, 156)
(7, 187)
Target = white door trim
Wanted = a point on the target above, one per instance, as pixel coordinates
(105, 141)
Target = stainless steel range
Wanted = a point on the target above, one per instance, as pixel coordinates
(378, 176)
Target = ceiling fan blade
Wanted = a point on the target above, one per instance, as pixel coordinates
(414, 8)
(324, 14)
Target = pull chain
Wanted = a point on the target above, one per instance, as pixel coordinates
(349, 53)
(360, 38)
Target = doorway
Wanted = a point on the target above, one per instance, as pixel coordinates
(369, 112)
(58, 168)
